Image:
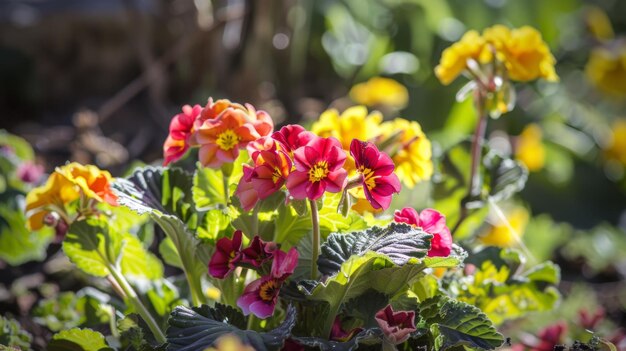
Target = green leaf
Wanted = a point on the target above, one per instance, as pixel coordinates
(208, 184)
(367, 336)
(78, 339)
(506, 176)
(198, 328)
(454, 323)
(17, 244)
(20, 146)
(12, 334)
(94, 247)
(398, 241)
(58, 313)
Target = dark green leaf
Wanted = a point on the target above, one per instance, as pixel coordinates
(199, 328)
(506, 176)
(367, 336)
(398, 241)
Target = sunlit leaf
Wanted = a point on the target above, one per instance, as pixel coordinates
(78, 339)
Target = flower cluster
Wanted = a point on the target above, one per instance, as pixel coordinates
(522, 51)
(65, 185)
(274, 265)
(219, 130)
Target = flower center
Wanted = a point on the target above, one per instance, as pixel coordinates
(277, 175)
(318, 172)
(269, 289)
(227, 140)
(368, 177)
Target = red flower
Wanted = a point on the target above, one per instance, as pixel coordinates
(260, 296)
(376, 170)
(258, 252)
(318, 169)
(397, 326)
(269, 176)
(181, 130)
(262, 144)
(226, 256)
(292, 136)
(432, 222)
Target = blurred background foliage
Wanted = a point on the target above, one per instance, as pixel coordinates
(97, 81)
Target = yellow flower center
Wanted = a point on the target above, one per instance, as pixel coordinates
(276, 175)
(227, 140)
(318, 172)
(368, 177)
(268, 290)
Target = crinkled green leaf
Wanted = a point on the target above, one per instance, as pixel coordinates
(78, 339)
(399, 241)
(506, 176)
(17, 244)
(12, 334)
(454, 323)
(199, 328)
(367, 336)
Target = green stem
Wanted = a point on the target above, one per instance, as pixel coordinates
(315, 223)
(197, 296)
(388, 346)
(251, 322)
(139, 306)
(475, 181)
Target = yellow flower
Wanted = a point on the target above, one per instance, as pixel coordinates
(65, 185)
(229, 342)
(616, 148)
(353, 123)
(94, 182)
(57, 192)
(412, 154)
(454, 59)
(380, 91)
(499, 234)
(598, 23)
(524, 53)
(530, 150)
(606, 69)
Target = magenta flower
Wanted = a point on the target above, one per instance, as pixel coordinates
(432, 222)
(29, 172)
(270, 173)
(258, 252)
(226, 256)
(292, 137)
(337, 332)
(397, 326)
(181, 129)
(318, 169)
(376, 170)
(260, 296)
(247, 194)
(262, 144)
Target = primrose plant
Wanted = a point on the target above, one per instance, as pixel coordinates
(281, 235)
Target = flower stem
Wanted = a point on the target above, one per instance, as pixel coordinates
(476, 152)
(139, 306)
(315, 223)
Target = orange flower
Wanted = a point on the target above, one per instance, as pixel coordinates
(92, 181)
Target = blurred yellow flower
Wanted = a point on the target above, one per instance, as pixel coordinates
(56, 193)
(530, 150)
(598, 23)
(65, 185)
(229, 342)
(454, 59)
(606, 69)
(616, 147)
(524, 53)
(411, 150)
(499, 234)
(380, 91)
(354, 123)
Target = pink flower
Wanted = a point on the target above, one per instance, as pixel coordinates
(397, 326)
(269, 176)
(258, 252)
(247, 194)
(432, 222)
(29, 172)
(260, 296)
(293, 136)
(226, 256)
(376, 170)
(318, 169)
(262, 144)
(181, 130)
